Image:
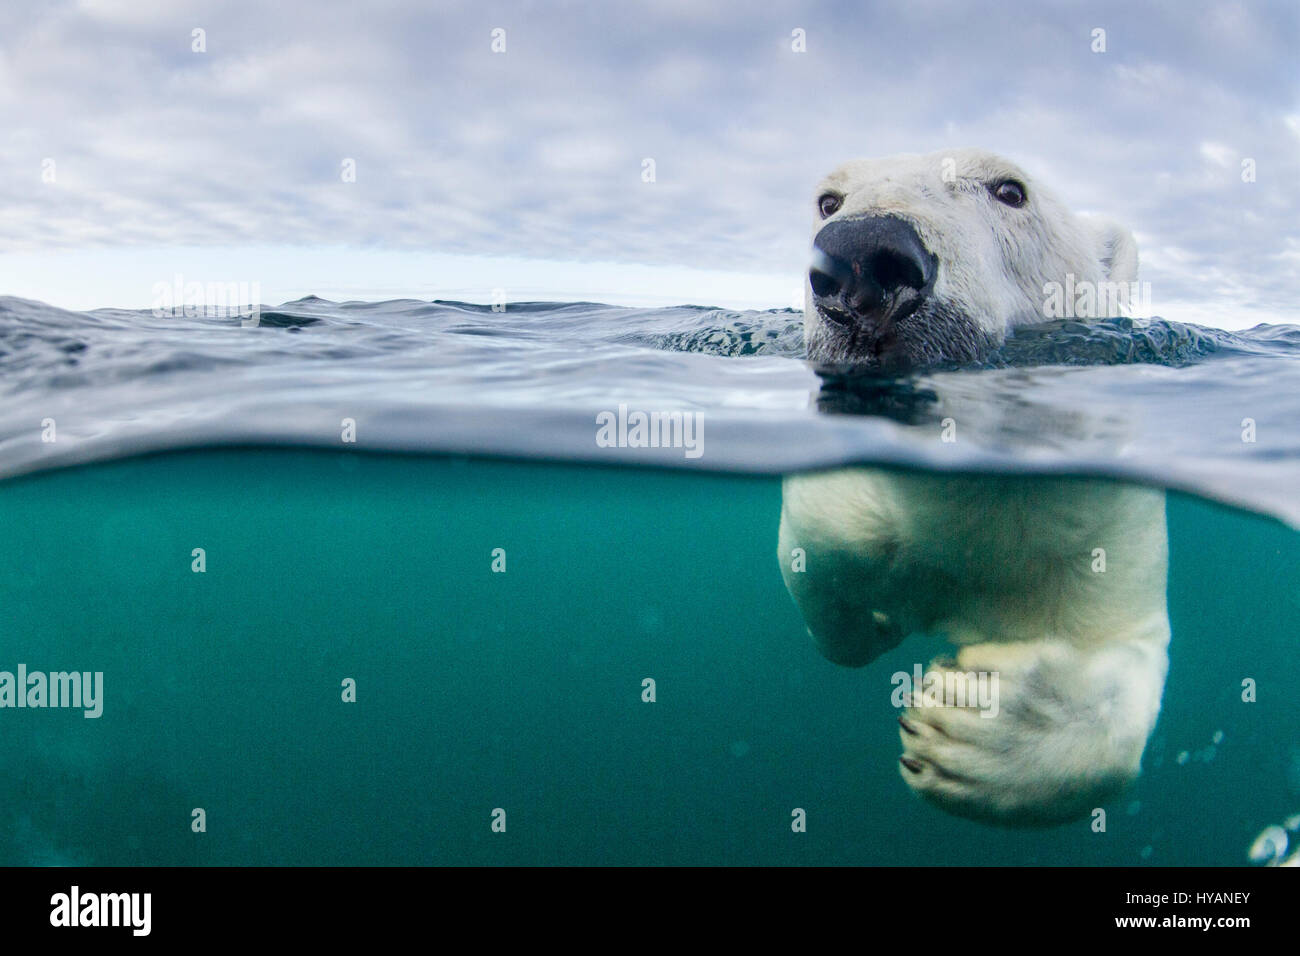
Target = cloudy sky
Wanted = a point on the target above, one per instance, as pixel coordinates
(129, 157)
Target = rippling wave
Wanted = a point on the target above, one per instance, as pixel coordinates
(1151, 400)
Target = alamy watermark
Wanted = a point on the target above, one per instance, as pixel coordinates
(76, 908)
(81, 690)
(638, 429)
(1084, 299)
(214, 299)
(946, 688)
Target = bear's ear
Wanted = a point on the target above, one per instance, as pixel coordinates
(1116, 248)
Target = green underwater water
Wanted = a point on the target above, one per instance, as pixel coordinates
(522, 690)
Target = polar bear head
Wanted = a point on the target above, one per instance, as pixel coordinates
(920, 260)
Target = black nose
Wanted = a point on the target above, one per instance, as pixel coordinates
(870, 270)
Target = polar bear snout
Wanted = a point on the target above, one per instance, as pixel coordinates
(869, 272)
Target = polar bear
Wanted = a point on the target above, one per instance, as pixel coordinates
(1053, 587)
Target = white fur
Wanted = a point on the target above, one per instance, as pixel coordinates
(1003, 566)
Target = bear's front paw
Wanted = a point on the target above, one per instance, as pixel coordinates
(1030, 735)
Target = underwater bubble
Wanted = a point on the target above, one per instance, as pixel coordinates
(1135, 808)
(1292, 822)
(1183, 757)
(1207, 754)
(1146, 852)
(1270, 844)
(1218, 737)
(739, 748)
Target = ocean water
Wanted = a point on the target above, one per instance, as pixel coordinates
(373, 552)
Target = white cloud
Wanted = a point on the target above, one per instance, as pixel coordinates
(536, 153)
(1219, 154)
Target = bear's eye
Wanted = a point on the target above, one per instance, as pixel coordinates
(829, 204)
(1010, 192)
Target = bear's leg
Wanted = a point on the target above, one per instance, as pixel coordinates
(1058, 730)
